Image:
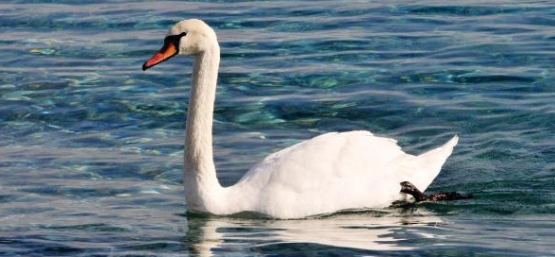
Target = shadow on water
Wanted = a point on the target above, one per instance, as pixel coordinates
(392, 230)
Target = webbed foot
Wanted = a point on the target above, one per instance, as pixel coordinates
(409, 188)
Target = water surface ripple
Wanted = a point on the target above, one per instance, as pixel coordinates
(91, 147)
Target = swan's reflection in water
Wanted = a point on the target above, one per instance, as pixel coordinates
(375, 231)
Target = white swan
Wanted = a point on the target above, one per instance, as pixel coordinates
(326, 174)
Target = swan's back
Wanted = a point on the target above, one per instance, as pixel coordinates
(332, 172)
(326, 157)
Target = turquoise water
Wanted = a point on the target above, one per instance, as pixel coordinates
(91, 147)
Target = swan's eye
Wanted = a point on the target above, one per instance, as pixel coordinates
(174, 39)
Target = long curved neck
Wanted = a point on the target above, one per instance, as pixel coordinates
(201, 183)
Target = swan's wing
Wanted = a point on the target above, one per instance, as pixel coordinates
(334, 171)
(334, 156)
(331, 155)
(327, 162)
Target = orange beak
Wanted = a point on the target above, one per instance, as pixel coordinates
(168, 51)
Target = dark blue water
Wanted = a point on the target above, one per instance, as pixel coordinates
(91, 147)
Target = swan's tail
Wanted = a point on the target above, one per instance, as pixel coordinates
(440, 154)
(431, 162)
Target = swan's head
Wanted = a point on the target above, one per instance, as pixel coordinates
(187, 37)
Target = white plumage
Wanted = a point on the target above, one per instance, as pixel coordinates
(326, 174)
